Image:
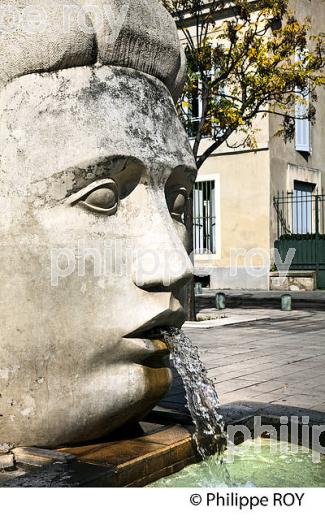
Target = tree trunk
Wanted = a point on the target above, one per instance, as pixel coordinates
(189, 291)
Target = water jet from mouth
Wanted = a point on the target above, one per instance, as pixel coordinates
(201, 395)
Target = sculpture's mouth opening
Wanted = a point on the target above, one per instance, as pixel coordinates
(156, 346)
(154, 331)
(150, 333)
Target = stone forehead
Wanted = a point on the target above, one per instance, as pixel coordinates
(49, 35)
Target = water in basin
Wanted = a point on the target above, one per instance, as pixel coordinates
(255, 463)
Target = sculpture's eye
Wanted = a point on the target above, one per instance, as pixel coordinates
(103, 199)
(176, 202)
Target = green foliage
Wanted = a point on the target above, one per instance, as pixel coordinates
(257, 61)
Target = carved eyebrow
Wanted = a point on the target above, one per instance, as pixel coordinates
(100, 168)
(125, 172)
(64, 184)
(182, 175)
(89, 169)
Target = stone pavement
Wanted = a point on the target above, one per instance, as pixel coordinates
(276, 363)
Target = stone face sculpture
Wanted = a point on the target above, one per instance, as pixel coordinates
(95, 168)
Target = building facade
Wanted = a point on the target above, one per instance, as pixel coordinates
(237, 212)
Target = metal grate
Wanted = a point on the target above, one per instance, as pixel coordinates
(204, 218)
(301, 228)
(300, 213)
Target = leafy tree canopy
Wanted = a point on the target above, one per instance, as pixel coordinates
(261, 58)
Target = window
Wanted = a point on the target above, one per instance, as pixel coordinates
(194, 109)
(204, 218)
(303, 126)
(302, 208)
(303, 136)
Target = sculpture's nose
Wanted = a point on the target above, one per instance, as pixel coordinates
(156, 273)
(162, 262)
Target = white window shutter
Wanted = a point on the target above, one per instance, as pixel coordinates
(303, 129)
(200, 100)
(186, 106)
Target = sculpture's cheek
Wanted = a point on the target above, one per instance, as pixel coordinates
(57, 411)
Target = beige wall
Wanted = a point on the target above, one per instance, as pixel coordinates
(244, 202)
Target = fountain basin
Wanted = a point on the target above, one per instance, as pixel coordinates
(129, 459)
(164, 456)
(255, 463)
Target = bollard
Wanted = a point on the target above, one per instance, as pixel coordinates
(198, 289)
(220, 301)
(286, 302)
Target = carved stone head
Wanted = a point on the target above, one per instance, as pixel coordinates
(95, 169)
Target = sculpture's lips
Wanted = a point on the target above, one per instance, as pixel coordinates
(149, 351)
(155, 337)
(156, 347)
(147, 333)
(151, 333)
(155, 327)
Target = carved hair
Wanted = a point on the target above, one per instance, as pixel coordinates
(49, 35)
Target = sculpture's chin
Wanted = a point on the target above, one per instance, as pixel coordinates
(97, 405)
(146, 387)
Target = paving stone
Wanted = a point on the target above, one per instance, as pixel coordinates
(270, 361)
(235, 384)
